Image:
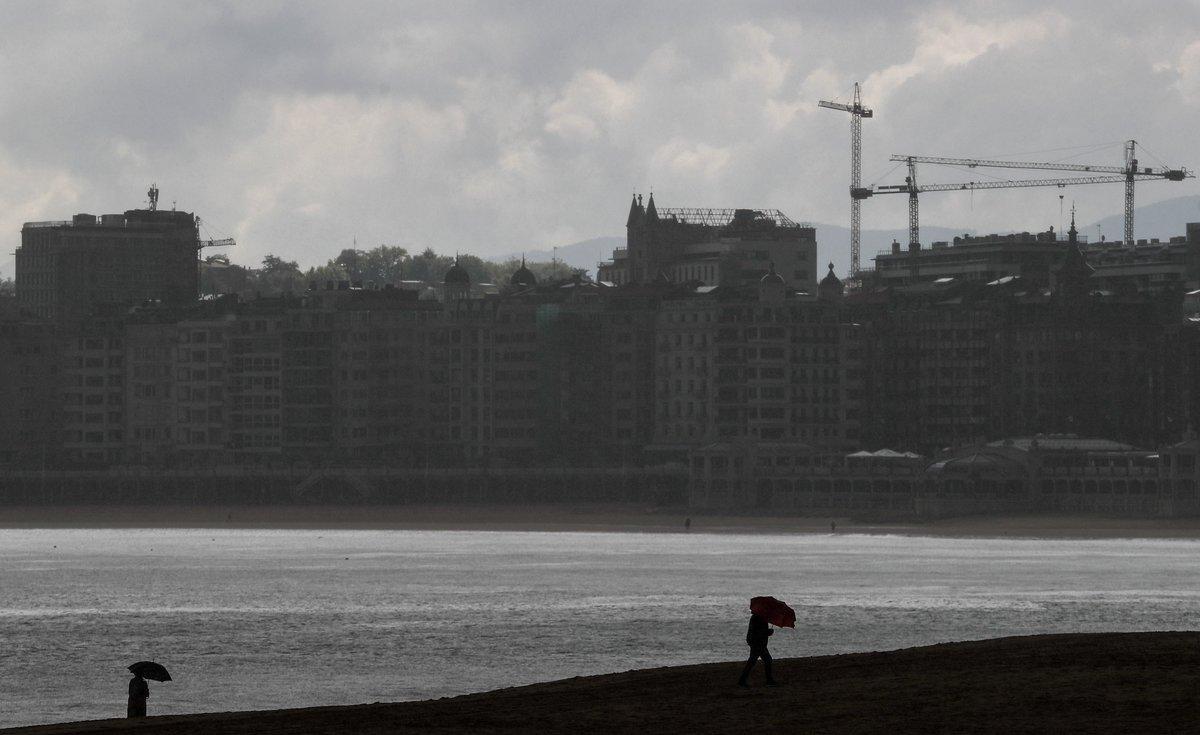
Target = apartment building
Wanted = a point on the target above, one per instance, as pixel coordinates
(66, 269)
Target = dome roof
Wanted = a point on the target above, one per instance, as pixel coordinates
(523, 277)
(830, 279)
(457, 275)
(772, 276)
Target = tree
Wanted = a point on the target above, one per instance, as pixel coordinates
(323, 274)
(384, 264)
(429, 266)
(480, 270)
(278, 275)
(380, 265)
(545, 272)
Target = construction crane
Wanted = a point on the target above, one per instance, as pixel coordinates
(911, 188)
(201, 243)
(1130, 172)
(857, 113)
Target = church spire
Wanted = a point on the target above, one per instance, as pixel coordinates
(1072, 234)
(635, 213)
(651, 210)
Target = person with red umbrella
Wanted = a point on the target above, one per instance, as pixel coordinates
(764, 611)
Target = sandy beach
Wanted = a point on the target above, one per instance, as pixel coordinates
(1115, 682)
(594, 518)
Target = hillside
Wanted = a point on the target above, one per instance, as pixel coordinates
(1163, 220)
(1079, 683)
(584, 254)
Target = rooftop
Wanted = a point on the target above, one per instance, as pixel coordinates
(725, 217)
(1063, 442)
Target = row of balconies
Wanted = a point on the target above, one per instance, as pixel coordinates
(1100, 471)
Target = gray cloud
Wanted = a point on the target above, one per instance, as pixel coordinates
(493, 127)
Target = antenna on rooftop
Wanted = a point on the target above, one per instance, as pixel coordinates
(153, 195)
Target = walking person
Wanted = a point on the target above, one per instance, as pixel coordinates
(139, 692)
(757, 634)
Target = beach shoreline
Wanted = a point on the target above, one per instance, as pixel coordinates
(1066, 683)
(609, 518)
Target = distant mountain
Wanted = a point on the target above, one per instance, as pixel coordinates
(1163, 220)
(583, 254)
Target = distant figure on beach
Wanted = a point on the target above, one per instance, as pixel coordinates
(687, 524)
(833, 526)
(139, 692)
(756, 637)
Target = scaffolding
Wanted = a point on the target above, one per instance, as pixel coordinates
(723, 217)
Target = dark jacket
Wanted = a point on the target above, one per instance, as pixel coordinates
(138, 688)
(758, 632)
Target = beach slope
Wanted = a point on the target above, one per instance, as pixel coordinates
(1115, 682)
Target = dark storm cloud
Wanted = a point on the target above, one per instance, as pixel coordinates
(492, 127)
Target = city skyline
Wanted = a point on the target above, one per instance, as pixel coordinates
(298, 130)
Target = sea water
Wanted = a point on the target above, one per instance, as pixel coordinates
(252, 619)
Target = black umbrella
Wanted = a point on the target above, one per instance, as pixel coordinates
(150, 670)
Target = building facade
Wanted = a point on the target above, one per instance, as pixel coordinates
(1149, 266)
(64, 270)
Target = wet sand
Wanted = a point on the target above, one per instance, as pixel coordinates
(595, 518)
(1126, 683)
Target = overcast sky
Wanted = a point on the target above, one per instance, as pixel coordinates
(494, 127)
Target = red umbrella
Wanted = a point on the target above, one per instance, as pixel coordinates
(777, 613)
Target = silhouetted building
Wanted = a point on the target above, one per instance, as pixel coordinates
(757, 364)
(30, 402)
(1048, 472)
(982, 258)
(712, 363)
(92, 391)
(728, 247)
(956, 362)
(66, 269)
(1148, 267)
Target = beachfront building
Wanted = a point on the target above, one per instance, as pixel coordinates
(30, 403)
(801, 479)
(1048, 472)
(762, 364)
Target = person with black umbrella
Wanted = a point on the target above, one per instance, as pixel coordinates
(139, 690)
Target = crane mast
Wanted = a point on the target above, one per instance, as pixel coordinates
(914, 221)
(857, 113)
(1130, 171)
